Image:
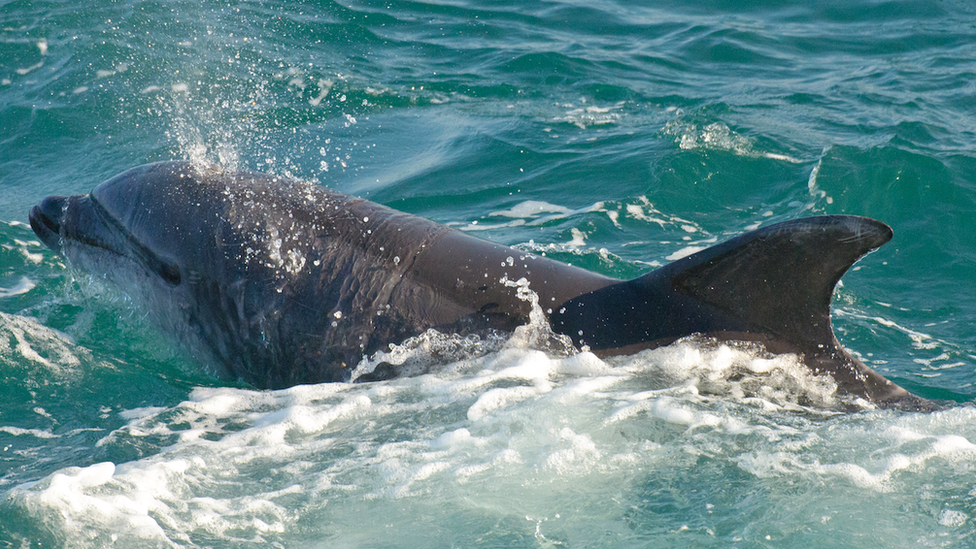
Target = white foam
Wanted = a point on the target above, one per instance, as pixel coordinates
(952, 518)
(26, 338)
(578, 240)
(500, 430)
(500, 398)
(22, 286)
(17, 432)
(585, 116)
(685, 252)
(530, 209)
(27, 70)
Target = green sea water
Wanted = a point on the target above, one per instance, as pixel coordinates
(613, 135)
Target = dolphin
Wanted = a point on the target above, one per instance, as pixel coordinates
(282, 282)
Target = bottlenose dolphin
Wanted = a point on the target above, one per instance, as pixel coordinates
(283, 282)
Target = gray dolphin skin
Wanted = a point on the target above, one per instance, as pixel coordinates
(283, 282)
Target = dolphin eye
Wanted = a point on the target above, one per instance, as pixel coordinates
(169, 272)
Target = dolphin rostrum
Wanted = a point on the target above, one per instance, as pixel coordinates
(284, 282)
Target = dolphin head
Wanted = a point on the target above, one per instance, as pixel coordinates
(204, 251)
(153, 231)
(136, 224)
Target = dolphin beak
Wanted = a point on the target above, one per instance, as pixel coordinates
(45, 220)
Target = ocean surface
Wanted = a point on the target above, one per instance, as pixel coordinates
(611, 134)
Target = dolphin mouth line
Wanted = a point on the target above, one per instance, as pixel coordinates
(169, 272)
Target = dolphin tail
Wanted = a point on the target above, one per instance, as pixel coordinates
(773, 285)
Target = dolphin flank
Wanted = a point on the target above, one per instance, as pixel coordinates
(283, 282)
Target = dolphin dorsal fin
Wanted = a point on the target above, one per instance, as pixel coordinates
(773, 285)
(779, 280)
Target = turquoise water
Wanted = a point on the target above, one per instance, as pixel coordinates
(611, 135)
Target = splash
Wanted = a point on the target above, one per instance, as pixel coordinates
(537, 333)
(24, 339)
(204, 133)
(434, 351)
(585, 116)
(718, 136)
